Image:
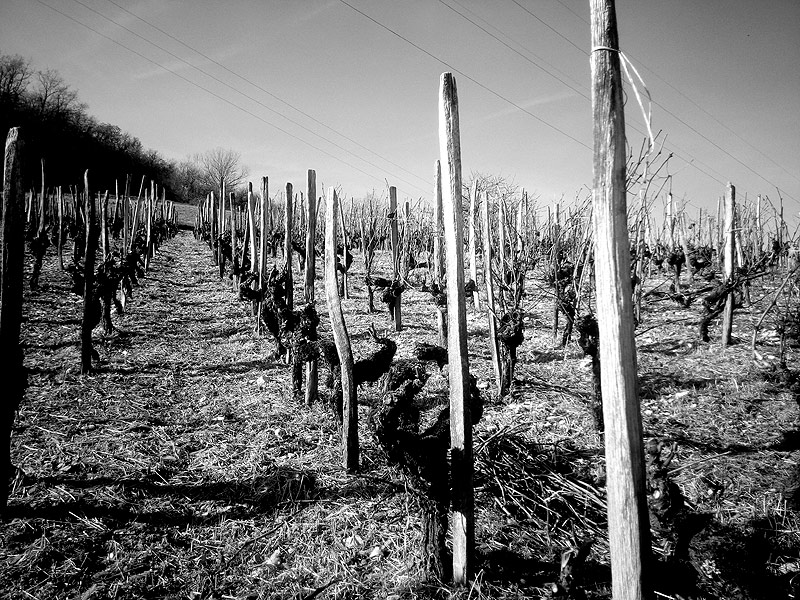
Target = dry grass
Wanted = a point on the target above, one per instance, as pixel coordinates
(183, 468)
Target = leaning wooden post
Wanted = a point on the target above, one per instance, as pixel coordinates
(87, 323)
(312, 378)
(490, 310)
(287, 247)
(341, 339)
(628, 521)
(730, 262)
(463, 501)
(12, 258)
(438, 253)
(473, 244)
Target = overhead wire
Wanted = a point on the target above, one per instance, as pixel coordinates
(694, 162)
(466, 76)
(252, 99)
(668, 111)
(264, 90)
(214, 94)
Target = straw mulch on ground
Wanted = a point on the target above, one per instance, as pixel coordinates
(184, 469)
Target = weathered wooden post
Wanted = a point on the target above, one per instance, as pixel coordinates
(234, 242)
(473, 244)
(556, 251)
(287, 247)
(262, 244)
(463, 501)
(87, 322)
(394, 237)
(438, 252)
(60, 249)
(312, 377)
(628, 521)
(341, 339)
(730, 262)
(12, 258)
(490, 309)
(104, 226)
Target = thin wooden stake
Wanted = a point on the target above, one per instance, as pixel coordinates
(490, 307)
(438, 252)
(730, 262)
(463, 501)
(312, 377)
(87, 323)
(287, 247)
(473, 244)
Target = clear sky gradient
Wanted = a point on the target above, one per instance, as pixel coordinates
(299, 84)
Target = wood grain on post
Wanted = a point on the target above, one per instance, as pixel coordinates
(490, 308)
(312, 377)
(628, 521)
(438, 251)
(730, 262)
(12, 259)
(87, 322)
(287, 247)
(341, 339)
(463, 501)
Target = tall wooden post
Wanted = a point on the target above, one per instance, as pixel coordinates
(234, 242)
(628, 521)
(312, 377)
(88, 279)
(60, 243)
(345, 249)
(394, 237)
(12, 258)
(341, 339)
(263, 232)
(730, 262)
(438, 251)
(463, 501)
(473, 243)
(490, 309)
(287, 247)
(104, 227)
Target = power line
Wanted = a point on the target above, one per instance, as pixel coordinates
(212, 93)
(264, 90)
(669, 112)
(580, 92)
(468, 77)
(255, 100)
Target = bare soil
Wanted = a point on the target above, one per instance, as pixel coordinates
(184, 469)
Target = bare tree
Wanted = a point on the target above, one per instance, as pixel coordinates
(220, 165)
(185, 180)
(52, 97)
(15, 75)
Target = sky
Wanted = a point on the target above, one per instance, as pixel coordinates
(350, 87)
